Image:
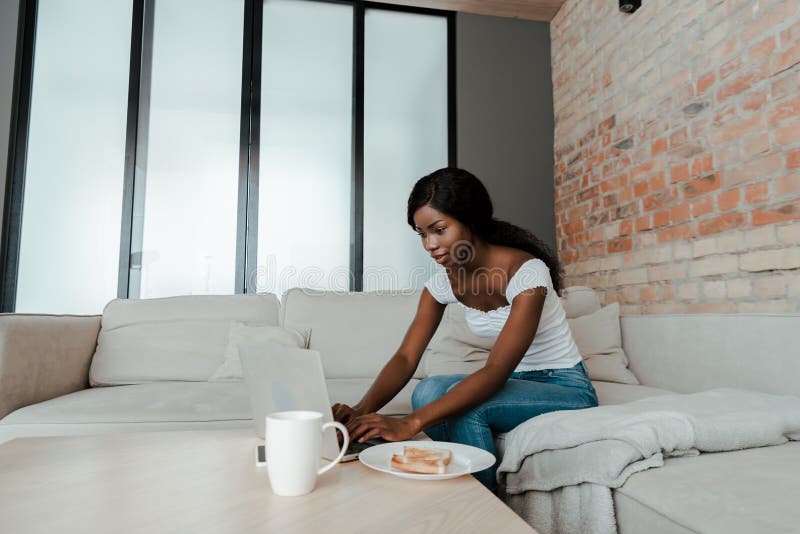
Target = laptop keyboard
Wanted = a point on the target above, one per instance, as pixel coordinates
(356, 447)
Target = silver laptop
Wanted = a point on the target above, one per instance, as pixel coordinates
(282, 378)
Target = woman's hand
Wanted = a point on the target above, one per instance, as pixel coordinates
(371, 425)
(343, 413)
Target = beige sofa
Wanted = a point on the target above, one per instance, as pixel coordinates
(151, 359)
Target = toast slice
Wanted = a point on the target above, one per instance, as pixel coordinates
(428, 453)
(418, 465)
(425, 460)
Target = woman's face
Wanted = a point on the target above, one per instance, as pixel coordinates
(447, 240)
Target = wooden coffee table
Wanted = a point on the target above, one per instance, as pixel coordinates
(206, 481)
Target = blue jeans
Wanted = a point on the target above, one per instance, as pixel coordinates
(525, 395)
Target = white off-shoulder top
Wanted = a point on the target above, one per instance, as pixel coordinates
(553, 346)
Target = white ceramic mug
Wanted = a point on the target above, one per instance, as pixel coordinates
(294, 447)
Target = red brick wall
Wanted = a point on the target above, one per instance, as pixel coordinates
(677, 153)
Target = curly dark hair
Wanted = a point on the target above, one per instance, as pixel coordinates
(459, 194)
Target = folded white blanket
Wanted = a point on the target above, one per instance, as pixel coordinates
(558, 468)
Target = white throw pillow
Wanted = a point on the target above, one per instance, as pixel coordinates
(249, 334)
(599, 341)
(579, 301)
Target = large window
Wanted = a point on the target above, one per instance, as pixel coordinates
(405, 137)
(69, 239)
(189, 151)
(305, 158)
(165, 148)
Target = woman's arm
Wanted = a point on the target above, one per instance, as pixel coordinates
(513, 341)
(400, 368)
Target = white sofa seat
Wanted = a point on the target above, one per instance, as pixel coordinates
(753, 490)
(139, 407)
(163, 406)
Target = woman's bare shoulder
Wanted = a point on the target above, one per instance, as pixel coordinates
(514, 258)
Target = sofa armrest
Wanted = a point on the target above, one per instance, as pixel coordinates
(44, 356)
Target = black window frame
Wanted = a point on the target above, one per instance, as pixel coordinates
(136, 141)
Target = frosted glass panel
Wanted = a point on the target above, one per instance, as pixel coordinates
(72, 209)
(305, 165)
(405, 138)
(192, 160)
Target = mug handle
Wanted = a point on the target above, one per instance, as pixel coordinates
(338, 459)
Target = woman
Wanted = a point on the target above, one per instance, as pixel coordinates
(508, 282)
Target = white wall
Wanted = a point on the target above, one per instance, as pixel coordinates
(505, 116)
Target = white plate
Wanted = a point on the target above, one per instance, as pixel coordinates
(465, 459)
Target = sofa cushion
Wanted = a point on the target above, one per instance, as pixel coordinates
(139, 403)
(356, 333)
(698, 352)
(631, 515)
(455, 349)
(614, 393)
(173, 338)
(243, 333)
(579, 301)
(752, 490)
(600, 343)
(163, 406)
